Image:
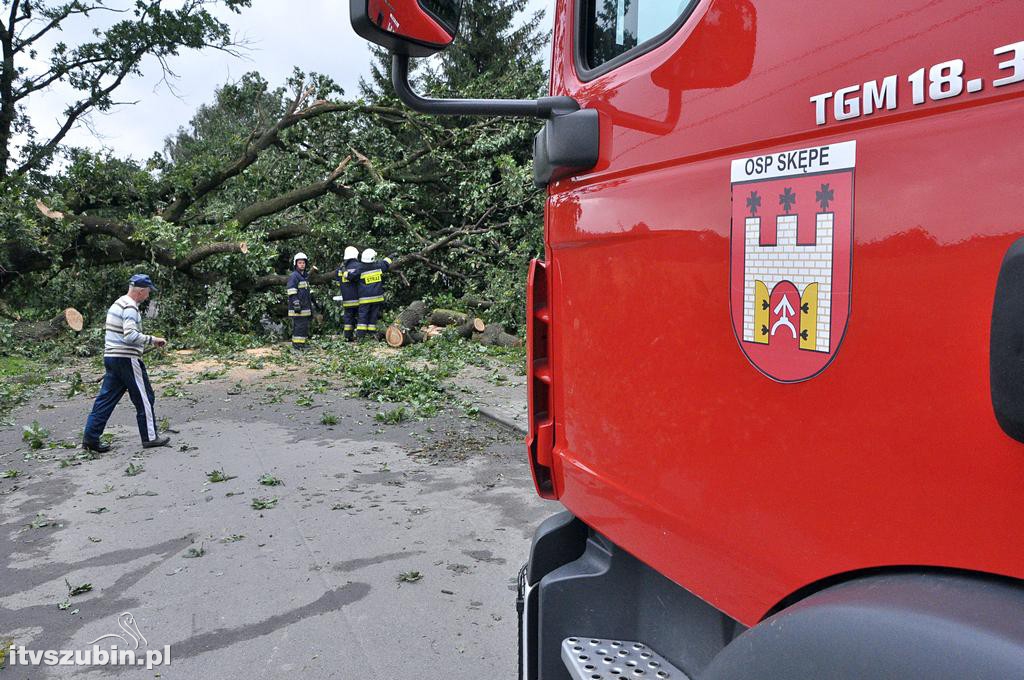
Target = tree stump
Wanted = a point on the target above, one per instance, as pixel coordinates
(69, 319)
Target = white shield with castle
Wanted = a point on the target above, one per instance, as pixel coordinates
(791, 257)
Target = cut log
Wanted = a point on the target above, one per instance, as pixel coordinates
(412, 315)
(398, 337)
(471, 326)
(446, 317)
(403, 331)
(495, 334)
(431, 332)
(69, 319)
(473, 302)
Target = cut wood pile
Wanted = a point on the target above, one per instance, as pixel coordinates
(414, 324)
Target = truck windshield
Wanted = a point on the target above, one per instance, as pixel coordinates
(614, 27)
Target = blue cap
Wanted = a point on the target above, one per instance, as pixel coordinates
(142, 281)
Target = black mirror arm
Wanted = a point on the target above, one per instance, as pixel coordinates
(545, 107)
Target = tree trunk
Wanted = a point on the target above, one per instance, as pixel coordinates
(412, 316)
(446, 317)
(403, 331)
(69, 319)
(470, 327)
(495, 334)
(475, 303)
(397, 337)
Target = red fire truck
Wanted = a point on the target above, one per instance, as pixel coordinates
(776, 343)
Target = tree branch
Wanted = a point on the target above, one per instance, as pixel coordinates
(253, 212)
(260, 141)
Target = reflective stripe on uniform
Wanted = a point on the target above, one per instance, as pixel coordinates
(299, 341)
(353, 303)
(348, 327)
(369, 300)
(304, 312)
(303, 284)
(293, 291)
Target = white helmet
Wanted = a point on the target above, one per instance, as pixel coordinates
(351, 253)
(299, 256)
(369, 255)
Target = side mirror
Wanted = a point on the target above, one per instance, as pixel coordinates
(415, 28)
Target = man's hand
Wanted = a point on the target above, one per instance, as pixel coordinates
(158, 341)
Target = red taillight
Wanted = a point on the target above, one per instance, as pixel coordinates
(541, 439)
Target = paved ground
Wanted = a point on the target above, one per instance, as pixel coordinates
(309, 588)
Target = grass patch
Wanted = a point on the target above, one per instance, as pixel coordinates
(133, 469)
(328, 419)
(392, 417)
(268, 479)
(263, 503)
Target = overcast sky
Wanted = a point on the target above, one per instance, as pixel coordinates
(313, 35)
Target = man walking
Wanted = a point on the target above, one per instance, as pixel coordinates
(300, 304)
(371, 291)
(348, 279)
(125, 372)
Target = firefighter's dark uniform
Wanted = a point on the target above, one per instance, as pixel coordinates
(348, 279)
(300, 307)
(371, 294)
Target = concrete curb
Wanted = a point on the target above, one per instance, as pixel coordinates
(504, 421)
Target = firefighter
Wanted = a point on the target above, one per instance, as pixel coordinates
(348, 279)
(300, 304)
(371, 291)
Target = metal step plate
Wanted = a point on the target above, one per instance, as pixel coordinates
(594, 659)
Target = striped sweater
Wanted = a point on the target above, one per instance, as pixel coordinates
(124, 337)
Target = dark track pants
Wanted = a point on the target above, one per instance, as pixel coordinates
(129, 375)
(351, 319)
(300, 329)
(368, 315)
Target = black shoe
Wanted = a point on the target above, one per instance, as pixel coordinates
(97, 447)
(159, 441)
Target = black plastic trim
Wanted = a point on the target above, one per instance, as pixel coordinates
(567, 145)
(545, 107)
(1006, 344)
(605, 592)
(902, 625)
(583, 70)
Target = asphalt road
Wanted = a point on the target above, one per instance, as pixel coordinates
(308, 588)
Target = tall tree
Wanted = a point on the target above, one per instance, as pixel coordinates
(93, 69)
(262, 172)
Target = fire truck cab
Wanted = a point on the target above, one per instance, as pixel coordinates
(775, 343)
